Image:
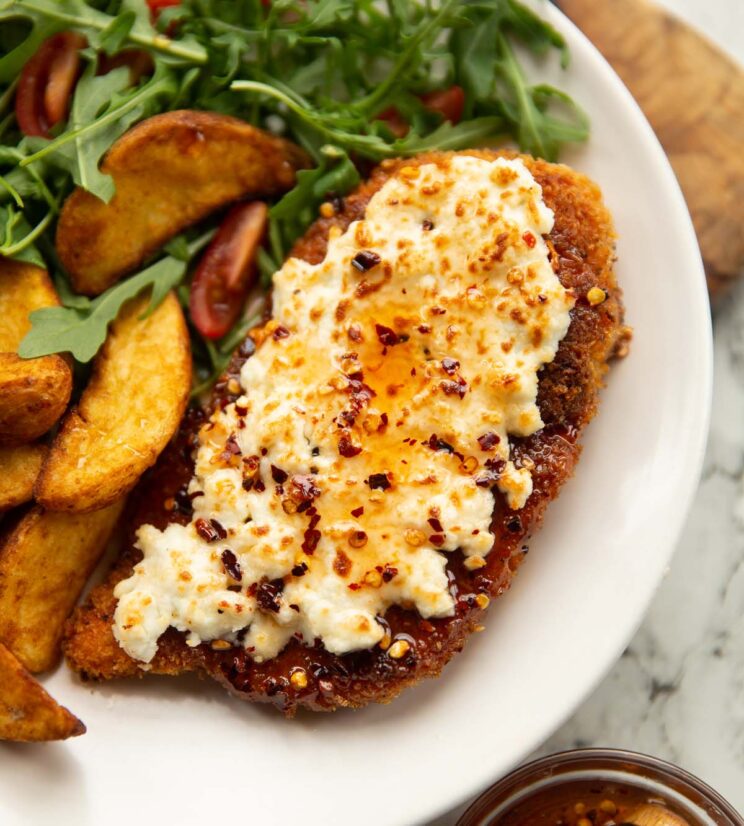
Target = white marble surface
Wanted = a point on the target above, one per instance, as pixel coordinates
(678, 691)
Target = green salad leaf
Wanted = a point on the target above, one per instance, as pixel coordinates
(335, 76)
(82, 331)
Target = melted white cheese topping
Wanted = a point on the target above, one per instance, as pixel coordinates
(375, 419)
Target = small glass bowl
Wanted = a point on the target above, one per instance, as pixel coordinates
(684, 794)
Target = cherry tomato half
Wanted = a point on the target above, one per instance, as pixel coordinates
(47, 82)
(449, 103)
(139, 62)
(227, 270)
(156, 5)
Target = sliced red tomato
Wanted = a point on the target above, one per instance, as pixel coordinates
(64, 70)
(397, 124)
(47, 82)
(449, 103)
(139, 61)
(156, 5)
(227, 270)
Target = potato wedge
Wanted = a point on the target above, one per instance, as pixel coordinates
(44, 563)
(27, 712)
(23, 289)
(19, 467)
(170, 171)
(33, 396)
(33, 392)
(131, 407)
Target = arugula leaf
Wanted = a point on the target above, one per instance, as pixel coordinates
(291, 215)
(50, 16)
(116, 33)
(325, 73)
(81, 156)
(82, 331)
(80, 148)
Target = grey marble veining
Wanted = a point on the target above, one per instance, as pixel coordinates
(678, 690)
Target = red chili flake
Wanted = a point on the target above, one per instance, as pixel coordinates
(435, 443)
(280, 332)
(357, 512)
(427, 225)
(542, 298)
(264, 451)
(354, 332)
(259, 485)
(299, 570)
(387, 336)
(347, 418)
(365, 260)
(310, 541)
(529, 239)
(231, 565)
(210, 531)
(360, 392)
(450, 366)
(347, 448)
(389, 573)
(438, 311)
(267, 594)
(437, 540)
(379, 481)
(304, 488)
(456, 387)
(232, 448)
(294, 607)
(240, 410)
(278, 475)
(490, 476)
(488, 440)
(436, 525)
(247, 485)
(424, 328)
(353, 586)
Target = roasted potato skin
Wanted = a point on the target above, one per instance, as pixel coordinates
(27, 713)
(33, 396)
(33, 392)
(130, 409)
(23, 289)
(171, 170)
(19, 468)
(45, 561)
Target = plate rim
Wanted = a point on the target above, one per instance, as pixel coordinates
(578, 41)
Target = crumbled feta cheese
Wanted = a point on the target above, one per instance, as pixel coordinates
(375, 419)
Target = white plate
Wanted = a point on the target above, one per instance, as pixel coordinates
(182, 751)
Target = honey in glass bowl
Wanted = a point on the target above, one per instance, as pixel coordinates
(600, 787)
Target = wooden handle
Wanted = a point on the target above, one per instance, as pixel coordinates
(693, 96)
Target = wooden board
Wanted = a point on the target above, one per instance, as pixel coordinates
(693, 96)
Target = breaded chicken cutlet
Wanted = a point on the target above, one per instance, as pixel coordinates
(305, 672)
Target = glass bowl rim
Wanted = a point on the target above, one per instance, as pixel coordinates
(608, 756)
